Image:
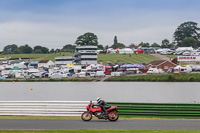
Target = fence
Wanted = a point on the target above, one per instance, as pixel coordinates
(43, 108)
(75, 108)
(158, 109)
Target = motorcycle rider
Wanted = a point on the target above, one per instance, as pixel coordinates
(102, 104)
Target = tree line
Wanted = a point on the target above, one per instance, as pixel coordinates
(186, 35)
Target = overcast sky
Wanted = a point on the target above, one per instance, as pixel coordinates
(55, 23)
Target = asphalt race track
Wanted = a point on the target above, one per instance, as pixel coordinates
(33, 124)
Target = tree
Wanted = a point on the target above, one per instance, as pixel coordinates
(69, 48)
(117, 45)
(100, 47)
(132, 45)
(144, 44)
(57, 50)
(43, 50)
(188, 42)
(26, 49)
(52, 51)
(185, 30)
(37, 51)
(106, 47)
(115, 40)
(87, 39)
(10, 49)
(155, 45)
(165, 43)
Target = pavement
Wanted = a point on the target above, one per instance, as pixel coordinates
(161, 57)
(35, 124)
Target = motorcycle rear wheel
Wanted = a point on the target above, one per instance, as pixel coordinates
(113, 116)
(86, 116)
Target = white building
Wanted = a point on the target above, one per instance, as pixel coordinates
(63, 60)
(85, 55)
(46, 63)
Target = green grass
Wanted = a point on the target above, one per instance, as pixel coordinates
(37, 57)
(98, 131)
(172, 56)
(118, 58)
(112, 58)
(160, 78)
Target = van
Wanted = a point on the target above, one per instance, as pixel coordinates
(100, 74)
(154, 71)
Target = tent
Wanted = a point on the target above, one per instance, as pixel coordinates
(140, 66)
(126, 66)
(139, 51)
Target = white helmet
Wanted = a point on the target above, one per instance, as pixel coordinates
(98, 99)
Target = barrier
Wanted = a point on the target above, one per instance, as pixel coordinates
(158, 109)
(75, 108)
(42, 108)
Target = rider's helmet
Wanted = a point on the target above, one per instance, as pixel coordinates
(98, 99)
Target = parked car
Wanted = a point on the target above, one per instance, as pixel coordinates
(115, 74)
(92, 74)
(178, 53)
(187, 53)
(170, 70)
(45, 75)
(195, 54)
(170, 52)
(126, 73)
(81, 74)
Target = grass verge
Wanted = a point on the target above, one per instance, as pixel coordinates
(69, 79)
(195, 77)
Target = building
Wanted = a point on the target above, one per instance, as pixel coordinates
(85, 55)
(63, 60)
(46, 63)
(161, 64)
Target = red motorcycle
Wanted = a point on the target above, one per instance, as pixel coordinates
(112, 114)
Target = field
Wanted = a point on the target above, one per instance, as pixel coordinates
(105, 58)
(118, 58)
(37, 57)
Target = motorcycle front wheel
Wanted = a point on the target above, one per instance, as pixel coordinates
(86, 116)
(113, 116)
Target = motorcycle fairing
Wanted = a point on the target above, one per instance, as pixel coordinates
(112, 107)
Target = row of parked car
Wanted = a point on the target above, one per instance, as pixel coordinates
(185, 53)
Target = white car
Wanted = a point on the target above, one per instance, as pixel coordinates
(195, 53)
(186, 53)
